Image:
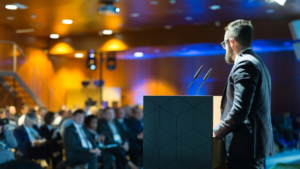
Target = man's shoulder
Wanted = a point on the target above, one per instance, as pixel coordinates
(70, 128)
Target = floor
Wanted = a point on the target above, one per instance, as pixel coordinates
(286, 157)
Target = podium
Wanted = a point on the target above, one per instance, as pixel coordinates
(178, 132)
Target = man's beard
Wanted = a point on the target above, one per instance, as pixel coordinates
(228, 56)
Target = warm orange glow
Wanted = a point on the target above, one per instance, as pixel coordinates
(61, 48)
(113, 45)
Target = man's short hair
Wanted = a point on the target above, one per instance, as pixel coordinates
(25, 105)
(242, 31)
(31, 114)
(78, 111)
(108, 108)
(42, 108)
(49, 116)
(88, 120)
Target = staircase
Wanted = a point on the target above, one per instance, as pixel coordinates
(22, 80)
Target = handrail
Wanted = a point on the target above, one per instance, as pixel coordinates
(26, 58)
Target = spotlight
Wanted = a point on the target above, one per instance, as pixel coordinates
(280, 2)
(54, 36)
(138, 54)
(67, 21)
(78, 55)
(91, 60)
(107, 32)
(11, 7)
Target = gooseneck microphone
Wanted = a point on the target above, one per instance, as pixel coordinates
(195, 77)
(204, 79)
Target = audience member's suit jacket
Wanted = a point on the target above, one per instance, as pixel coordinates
(135, 125)
(47, 134)
(127, 131)
(104, 129)
(73, 143)
(246, 110)
(24, 143)
(283, 124)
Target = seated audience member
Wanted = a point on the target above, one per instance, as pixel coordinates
(30, 143)
(133, 136)
(49, 131)
(114, 134)
(40, 114)
(121, 161)
(12, 115)
(7, 159)
(284, 125)
(60, 117)
(4, 113)
(80, 146)
(136, 121)
(24, 109)
(66, 122)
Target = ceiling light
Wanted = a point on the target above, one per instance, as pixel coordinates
(188, 18)
(138, 54)
(153, 2)
(67, 21)
(54, 36)
(117, 10)
(11, 7)
(280, 2)
(10, 18)
(173, 1)
(107, 32)
(78, 55)
(24, 30)
(215, 7)
(270, 11)
(168, 27)
(135, 15)
(93, 67)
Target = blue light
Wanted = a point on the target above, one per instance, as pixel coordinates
(93, 67)
(287, 43)
(117, 10)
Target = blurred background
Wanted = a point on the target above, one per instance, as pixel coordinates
(84, 53)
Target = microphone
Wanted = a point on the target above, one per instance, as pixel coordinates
(204, 79)
(195, 77)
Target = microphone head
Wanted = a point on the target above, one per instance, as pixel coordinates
(207, 74)
(198, 72)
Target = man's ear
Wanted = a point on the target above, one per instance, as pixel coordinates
(232, 43)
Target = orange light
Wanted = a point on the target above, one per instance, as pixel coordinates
(61, 48)
(113, 45)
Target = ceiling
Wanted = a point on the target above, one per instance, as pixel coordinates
(135, 15)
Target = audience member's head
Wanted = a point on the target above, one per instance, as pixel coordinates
(25, 108)
(91, 122)
(109, 114)
(68, 113)
(49, 118)
(30, 118)
(127, 111)
(12, 111)
(41, 111)
(62, 113)
(120, 113)
(286, 113)
(78, 116)
(137, 113)
(3, 113)
(36, 108)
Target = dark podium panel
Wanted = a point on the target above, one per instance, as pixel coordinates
(178, 132)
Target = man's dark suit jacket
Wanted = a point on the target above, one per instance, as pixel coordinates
(135, 125)
(24, 143)
(246, 110)
(127, 131)
(104, 129)
(73, 143)
(47, 134)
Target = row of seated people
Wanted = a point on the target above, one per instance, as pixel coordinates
(106, 140)
(284, 126)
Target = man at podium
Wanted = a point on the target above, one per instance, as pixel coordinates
(246, 103)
